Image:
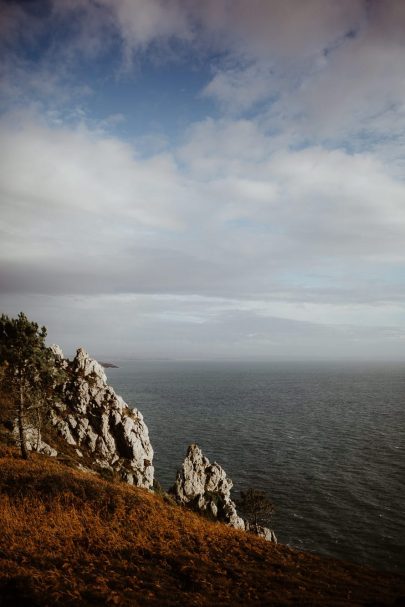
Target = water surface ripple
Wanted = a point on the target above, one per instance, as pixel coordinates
(326, 442)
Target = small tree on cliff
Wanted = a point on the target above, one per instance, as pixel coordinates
(28, 369)
(255, 506)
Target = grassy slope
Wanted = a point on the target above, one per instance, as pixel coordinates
(69, 538)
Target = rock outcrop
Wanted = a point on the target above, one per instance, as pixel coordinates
(89, 425)
(104, 432)
(33, 439)
(264, 532)
(206, 488)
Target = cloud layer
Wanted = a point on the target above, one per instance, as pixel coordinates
(274, 225)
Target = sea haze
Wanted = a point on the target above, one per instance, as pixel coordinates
(326, 442)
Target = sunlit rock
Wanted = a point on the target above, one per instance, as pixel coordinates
(206, 488)
(95, 420)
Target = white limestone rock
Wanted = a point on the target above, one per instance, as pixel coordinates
(57, 350)
(264, 532)
(99, 423)
(63, 428)
(33, 440)
(88, 421)
(85, 366)
(59, 356)
(205, 487)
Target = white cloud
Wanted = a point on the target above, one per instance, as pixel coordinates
(155, 326)
(321, 70)
(279, 28)
(239, 89)
(83, 213)
(280, 222)
(53, 170)
(324, 202)
(143, 22)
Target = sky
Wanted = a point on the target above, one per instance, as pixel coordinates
(205, 179)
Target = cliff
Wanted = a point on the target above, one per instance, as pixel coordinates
(92, 426)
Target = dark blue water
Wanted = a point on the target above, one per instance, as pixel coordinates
(326, 442)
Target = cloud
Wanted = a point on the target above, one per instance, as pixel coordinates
(163, 326)
(320, 70)
(239, 89)
(361, 81)
(141, 24)
(324, 202)
(276, 218)
(83, 213)
(57, 169)
(281, 28)
(314, 71)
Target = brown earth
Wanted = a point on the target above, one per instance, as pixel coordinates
(70, 538)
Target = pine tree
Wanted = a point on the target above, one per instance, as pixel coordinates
(28, 370)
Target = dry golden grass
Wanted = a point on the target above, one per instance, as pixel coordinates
(69, 538)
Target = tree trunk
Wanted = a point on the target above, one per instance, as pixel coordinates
(39, 425)
(21, 420)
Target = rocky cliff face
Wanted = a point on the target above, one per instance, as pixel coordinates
(99, 424)
(92, 425)
(206, 488)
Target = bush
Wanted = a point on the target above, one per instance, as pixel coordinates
(255, 506)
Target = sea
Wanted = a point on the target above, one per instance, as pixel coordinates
(324, 441)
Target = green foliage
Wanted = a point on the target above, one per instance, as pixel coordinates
(28, 370)
(255, 506)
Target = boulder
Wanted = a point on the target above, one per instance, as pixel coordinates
(264, 532)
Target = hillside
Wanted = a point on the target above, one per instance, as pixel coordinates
(70, 538)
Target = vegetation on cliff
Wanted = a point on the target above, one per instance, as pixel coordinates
(27, 371)
(53, 405)
(70, 538)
